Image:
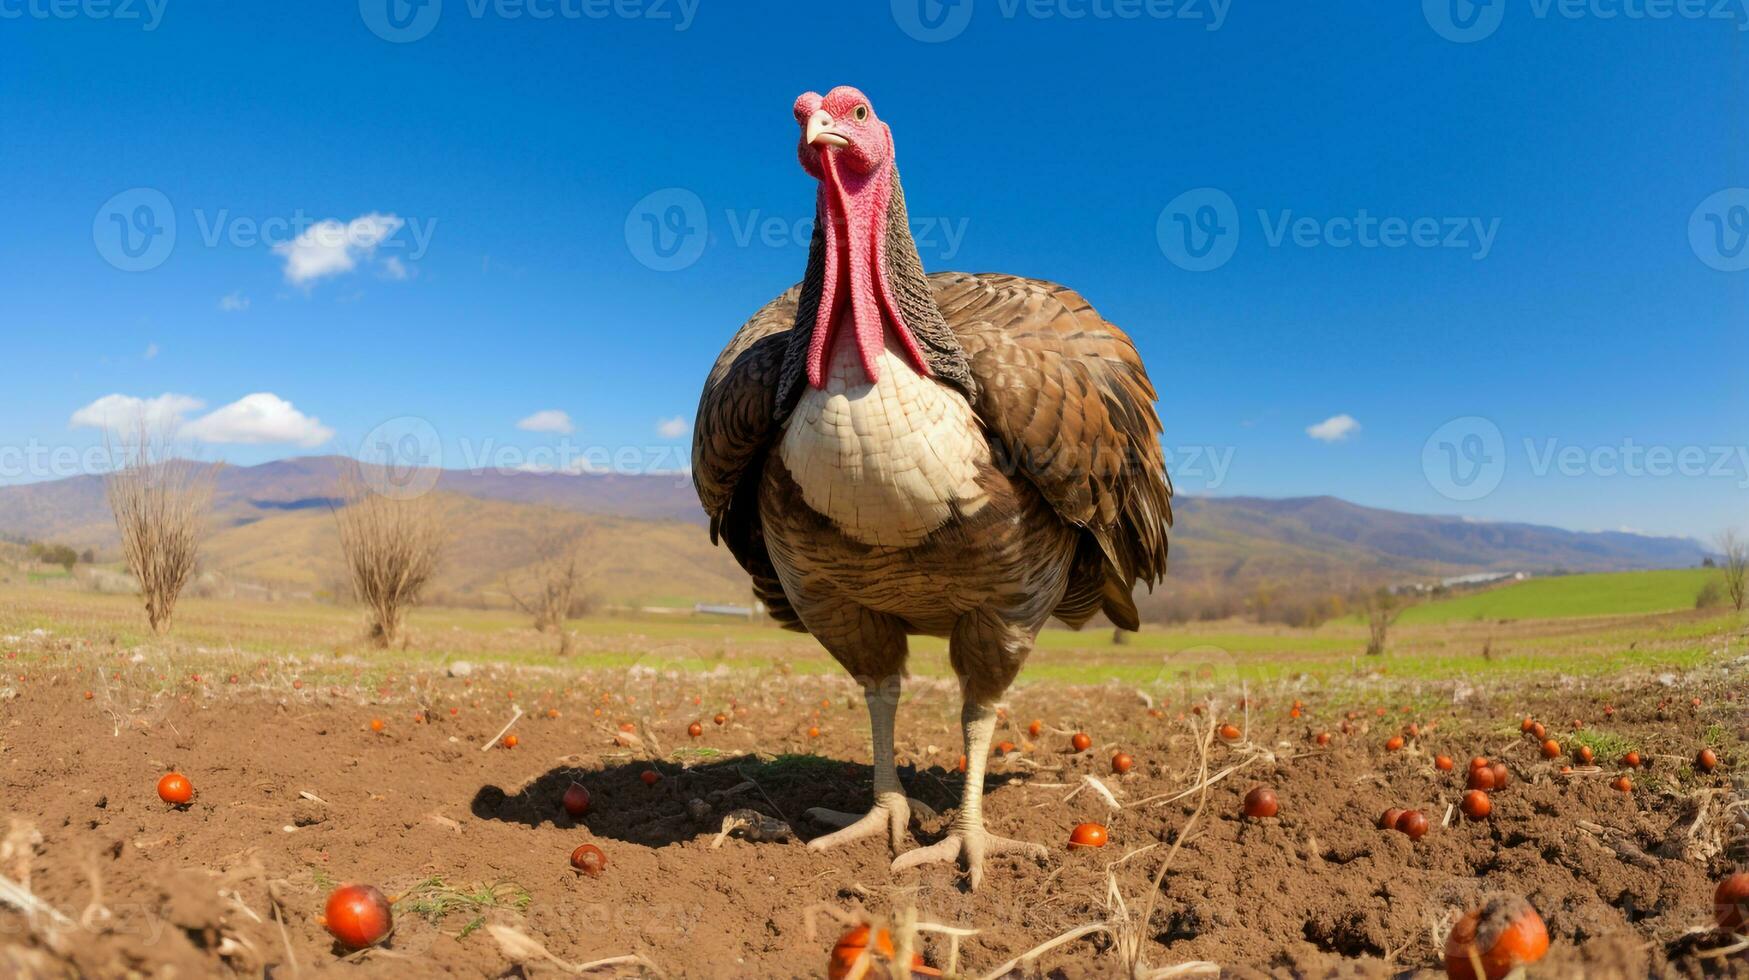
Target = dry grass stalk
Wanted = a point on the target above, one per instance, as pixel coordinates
(1130, 934)
(160, 505)
(392, 547)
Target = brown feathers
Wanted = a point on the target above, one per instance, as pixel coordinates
(1062, 394)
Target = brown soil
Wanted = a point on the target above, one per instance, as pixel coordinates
(1624, 882)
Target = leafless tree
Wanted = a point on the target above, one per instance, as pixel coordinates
(553, 585)
(1734, 547)
(392, 546)
(1382, 609)
(160, 504)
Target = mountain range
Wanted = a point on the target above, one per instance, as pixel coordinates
(646, 544)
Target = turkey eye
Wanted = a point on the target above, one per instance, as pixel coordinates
(861, 113)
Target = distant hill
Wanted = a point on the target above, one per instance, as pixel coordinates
(272, 525)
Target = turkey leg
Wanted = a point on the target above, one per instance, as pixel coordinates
(892, 808)
(967, 839)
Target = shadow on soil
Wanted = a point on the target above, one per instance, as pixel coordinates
(623, 807)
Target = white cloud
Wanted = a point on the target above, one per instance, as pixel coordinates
(234, 302)
(258, 418)
(329, 248)
(151, 352)
(124, 413)
(393, 269)
(1334, 429)
(548, 420)
(672, 428)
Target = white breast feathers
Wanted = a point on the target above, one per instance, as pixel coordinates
(886, 462)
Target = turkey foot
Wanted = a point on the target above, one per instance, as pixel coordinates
(891, 812)
(969, 844)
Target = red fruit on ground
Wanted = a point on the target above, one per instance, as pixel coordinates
(357, 916)
(589, 859)
(1476, 805)
(852, 954)
(1731, 902)
(1082, 741)
(575, 800)
(175, 789)
(1088, 835)
(1504, 934)
(1260, 803)
(1412, 824)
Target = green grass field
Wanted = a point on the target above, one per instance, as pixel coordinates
(1620, 593)
(1559, 626)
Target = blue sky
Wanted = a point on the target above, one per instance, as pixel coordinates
(454, 224)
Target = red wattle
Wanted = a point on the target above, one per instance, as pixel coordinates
(852, 208)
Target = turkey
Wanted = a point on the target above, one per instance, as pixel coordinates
(890, 453)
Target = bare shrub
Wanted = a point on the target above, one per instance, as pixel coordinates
(392, 547)
(1711, 595)
(1735, 549)
(552, 587)
(160, 505)
(1382, 609)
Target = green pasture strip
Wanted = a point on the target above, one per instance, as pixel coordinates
(1609, 594)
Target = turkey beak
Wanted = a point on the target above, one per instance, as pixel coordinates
(820, 131)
